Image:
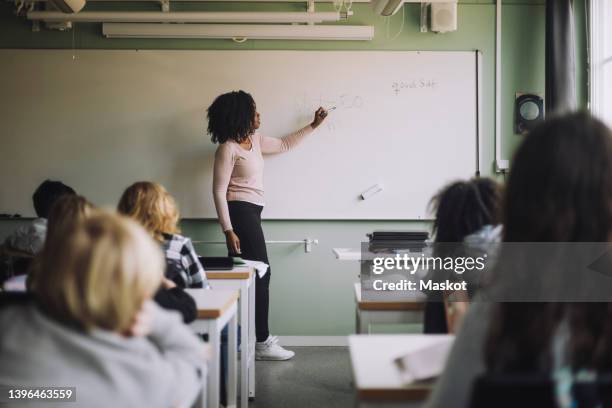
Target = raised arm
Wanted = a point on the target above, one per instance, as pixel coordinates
(271, 145)
(222, 173)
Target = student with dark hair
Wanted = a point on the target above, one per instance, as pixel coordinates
(463, 210)
(63, 217)
(238, 192)
(46, 194)
(30, 239)
(559, 190)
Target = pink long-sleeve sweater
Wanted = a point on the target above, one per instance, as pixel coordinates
(238, 173)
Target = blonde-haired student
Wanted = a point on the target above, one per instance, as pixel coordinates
(155, 209)
(91, 324)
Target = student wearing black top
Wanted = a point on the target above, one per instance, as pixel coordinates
(169, 296)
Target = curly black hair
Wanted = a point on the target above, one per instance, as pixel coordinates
(231, 117)
(463, 207)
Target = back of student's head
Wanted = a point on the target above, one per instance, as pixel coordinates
(560, 186)
(463, 207)
(99, 274)
(152, 206)
(46, 194)
(65, 214)
(559, 190)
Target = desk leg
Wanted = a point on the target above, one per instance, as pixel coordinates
(245, 349)
(252, 339)
(201, 401)
(214, 374)
(357, 320)
(362, 321)
(232, 369)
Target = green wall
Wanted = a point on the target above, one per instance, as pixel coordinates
(312, 293)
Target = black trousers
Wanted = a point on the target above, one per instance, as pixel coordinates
(246, 221)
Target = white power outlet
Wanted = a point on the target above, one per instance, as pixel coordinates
(502, 165)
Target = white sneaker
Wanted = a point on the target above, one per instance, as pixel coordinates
(271, 350)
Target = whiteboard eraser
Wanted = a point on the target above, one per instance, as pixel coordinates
(375, 189)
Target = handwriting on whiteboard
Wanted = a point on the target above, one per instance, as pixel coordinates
(307, 105)
(400, 86)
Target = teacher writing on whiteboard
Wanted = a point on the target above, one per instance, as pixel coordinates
(238, 191)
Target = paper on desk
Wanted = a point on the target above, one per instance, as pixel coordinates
(425, 362)
(260, 267)
(15, 284)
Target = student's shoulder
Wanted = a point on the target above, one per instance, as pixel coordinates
(177, 241)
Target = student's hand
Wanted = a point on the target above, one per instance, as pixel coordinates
(167, 283)
(142, 323)
(233, 242)
(319, 117)
(456, 305)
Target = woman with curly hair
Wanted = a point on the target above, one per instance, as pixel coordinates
(238, 191)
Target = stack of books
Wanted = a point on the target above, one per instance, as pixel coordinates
(413, 241)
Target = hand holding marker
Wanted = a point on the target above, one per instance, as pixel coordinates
(320, 116)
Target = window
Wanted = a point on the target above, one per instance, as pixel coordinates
(601, 59)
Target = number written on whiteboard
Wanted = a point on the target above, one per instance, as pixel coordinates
(306, 105)
(400, 86)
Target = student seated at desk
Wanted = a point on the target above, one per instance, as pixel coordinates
(64, 215)
(155, 209)
(559, 190)
(71, 210)
(464, 211)
(31, 238)
(19, 247)
(90, 324)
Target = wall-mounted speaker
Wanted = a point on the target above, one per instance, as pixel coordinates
(528, 112)
(443, 17)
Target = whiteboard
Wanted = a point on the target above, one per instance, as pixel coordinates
(102, 120)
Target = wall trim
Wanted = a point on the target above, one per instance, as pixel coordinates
(313, 341)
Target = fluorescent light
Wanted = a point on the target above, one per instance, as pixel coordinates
(239, 31)
(188, 17)
(207, 1)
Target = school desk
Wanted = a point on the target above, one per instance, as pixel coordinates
(387, 311)
(242, 278)
(217, 308)
(375, 374)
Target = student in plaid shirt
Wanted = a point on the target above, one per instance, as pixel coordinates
(183, 265)
(152, 206)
